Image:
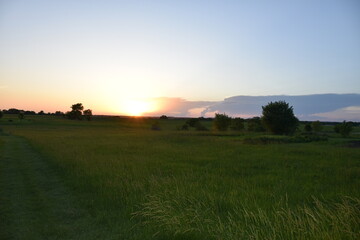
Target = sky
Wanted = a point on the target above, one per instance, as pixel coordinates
(128, 57)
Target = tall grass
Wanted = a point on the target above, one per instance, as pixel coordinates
(186, 216)
(143, 184)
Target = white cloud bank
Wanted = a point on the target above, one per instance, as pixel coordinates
(324, 107)
(351, 113)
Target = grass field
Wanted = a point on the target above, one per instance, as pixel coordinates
(114, 178)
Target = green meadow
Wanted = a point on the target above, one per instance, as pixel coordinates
(115, 178)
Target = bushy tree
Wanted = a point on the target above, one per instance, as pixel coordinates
(278, 117)
(344, 128)
(163, 117)
(29, 112)
(221, 121)
(88, 114)
(59, 113)
(76, 112)
(13, 111)
(237, 124)
(77, 107)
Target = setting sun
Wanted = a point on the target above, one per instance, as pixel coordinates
(137, 107)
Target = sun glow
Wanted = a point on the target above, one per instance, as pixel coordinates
(137, 107)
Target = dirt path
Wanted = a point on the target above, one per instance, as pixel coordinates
(34, 202)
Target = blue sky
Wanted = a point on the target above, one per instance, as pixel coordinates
(105, 52)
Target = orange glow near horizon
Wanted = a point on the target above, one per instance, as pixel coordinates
(137, 107)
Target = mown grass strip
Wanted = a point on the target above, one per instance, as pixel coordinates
(34, 203)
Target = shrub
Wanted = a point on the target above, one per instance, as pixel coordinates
(237, 124)
(308, 128)
(183, 127)
(88, 114)
(200, 127)
(21, 115)
(316, 126)
(222, 122)
(278, 117)
(192, 122)
(59, 113)
(254, 125)
(344, 128)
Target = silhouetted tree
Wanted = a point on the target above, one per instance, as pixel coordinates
(76, 112)
(278, 117)
(41, 112)
(59, 113)
(13, 111)
(29, 113)
(237, 124)
(77, 107)
(222, 122)
(88, 114)
(1, 114)
(163, 117)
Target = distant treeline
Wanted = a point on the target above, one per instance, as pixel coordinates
(26, 112)
(330, 123)
(60, 113)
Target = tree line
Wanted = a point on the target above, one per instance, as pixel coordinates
(277, 118)
(77, 113)
(27, 112)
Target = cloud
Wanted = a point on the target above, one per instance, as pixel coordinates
(304, 105)
(178, 107)
(351, 113)
(329, 107)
